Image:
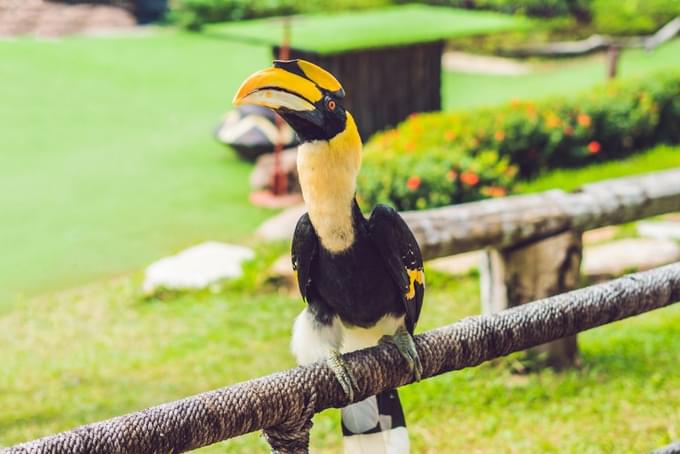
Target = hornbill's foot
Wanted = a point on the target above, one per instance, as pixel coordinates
(342, 373)
(403, 340)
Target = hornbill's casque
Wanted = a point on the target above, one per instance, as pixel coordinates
(363, 280)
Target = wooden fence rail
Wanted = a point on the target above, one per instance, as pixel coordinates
(532, 243)
(524, 219)
(282, 404)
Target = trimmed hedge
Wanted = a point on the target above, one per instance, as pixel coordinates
(539, 8)
(632, 17)
(193, 14)
(439, 159)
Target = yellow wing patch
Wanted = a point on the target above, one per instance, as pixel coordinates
(417, 275)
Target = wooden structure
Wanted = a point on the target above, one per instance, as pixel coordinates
(388, 60)
(384, 86)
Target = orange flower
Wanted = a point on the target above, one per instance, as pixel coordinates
(583, 120)
(494, 191)
(594, 147)
(410, 146)
(469, 178)
(449, 135)
(500, 135)
(514, 102)
(451, 175)
(552, 121)
(413, 182)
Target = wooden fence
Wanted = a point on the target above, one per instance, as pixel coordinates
(533, 244)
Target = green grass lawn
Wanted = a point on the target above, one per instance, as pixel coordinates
(107, 159)
(657, 159)
(102, 350)
(564, 77)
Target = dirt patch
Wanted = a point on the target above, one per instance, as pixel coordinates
(47, 19)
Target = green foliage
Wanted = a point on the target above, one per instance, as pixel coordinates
(441, 158)
(193, 14)
(631, 17)
(541, 8)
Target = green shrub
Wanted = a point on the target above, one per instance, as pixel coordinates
(632, 17)
(541, 8)
(193, 14)
(519, 139)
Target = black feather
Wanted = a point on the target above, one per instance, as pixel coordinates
(401, 253)
(304, 250)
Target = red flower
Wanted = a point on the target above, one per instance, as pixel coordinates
(413, 182)
(469, 178)
(594, 147)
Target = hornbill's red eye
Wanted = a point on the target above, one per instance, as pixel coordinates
(330, 104)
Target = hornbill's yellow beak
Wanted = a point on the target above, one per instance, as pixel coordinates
(294, 87)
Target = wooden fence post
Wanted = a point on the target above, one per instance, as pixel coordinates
(521, 274)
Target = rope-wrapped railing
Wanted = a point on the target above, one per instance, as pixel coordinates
(282, 404)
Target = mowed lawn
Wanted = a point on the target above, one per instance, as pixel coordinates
(102, 350)
(562, 78)
(107, 160)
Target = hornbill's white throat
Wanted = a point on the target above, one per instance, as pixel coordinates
(363, 279)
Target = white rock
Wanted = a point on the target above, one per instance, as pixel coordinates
(281, 226)
(664, 230)
(197, 267)
(619, 257)
(456, 265)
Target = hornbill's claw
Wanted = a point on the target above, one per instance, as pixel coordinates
(403, 340)
(342, 373)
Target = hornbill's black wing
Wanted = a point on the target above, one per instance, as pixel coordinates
(305, 246)
(401, 252)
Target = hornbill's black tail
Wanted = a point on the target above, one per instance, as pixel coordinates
(375, 425)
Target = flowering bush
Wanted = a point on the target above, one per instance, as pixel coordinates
(438, 159)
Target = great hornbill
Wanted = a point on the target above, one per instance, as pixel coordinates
(363, 280)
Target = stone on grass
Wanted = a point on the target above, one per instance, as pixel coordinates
(600, 235)
(663, 230)
(623, 256)
(456, 265)
(281, 226)
(282, 275)
(198, 267)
